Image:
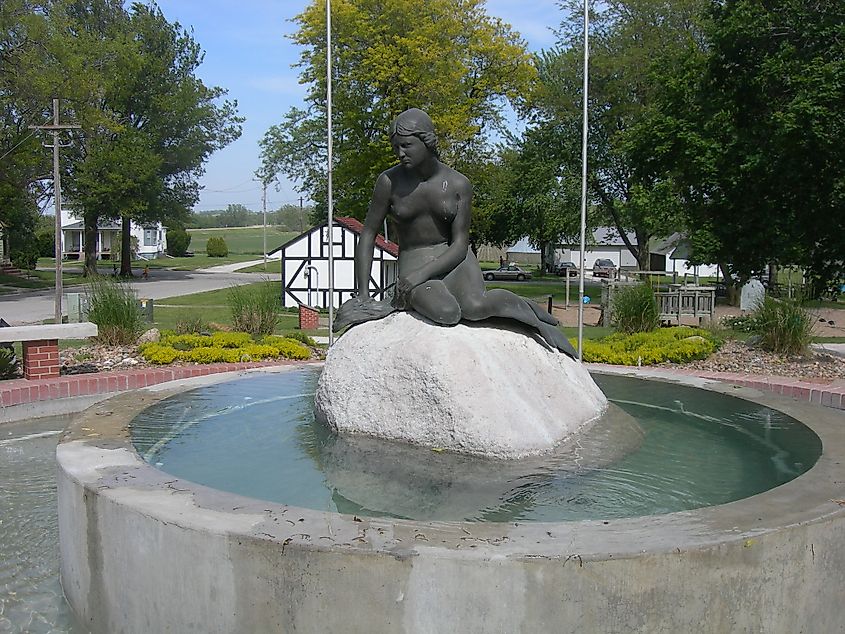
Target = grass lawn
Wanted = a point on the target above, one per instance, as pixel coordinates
(539, 291)
(274, 267)
(248, 240)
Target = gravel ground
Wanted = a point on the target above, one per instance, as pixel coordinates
(736, 356)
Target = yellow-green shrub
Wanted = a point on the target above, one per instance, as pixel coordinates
(213, 355)
(186, 342)
(221, 347)
(231, 339)
(158, 354)
(676, 345)
(287, 348)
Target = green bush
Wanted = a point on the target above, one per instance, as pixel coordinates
(178, 241)
(254, 308)
(9, 366)
(46, 244)
(216, 247)
(784, 326)
(114, 308)
(635, 309)
(221, 347)
(25, 257)
(676, 345)
(301, 337)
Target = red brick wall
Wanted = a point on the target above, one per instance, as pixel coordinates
(40, 359)
(309, 319)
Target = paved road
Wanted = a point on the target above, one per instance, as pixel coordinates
(30, 307)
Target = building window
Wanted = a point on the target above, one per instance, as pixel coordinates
(150, 237)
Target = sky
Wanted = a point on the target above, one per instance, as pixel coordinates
(248, 51)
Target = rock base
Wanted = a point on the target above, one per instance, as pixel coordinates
(476, 389)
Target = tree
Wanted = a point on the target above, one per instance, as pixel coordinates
(752, 133)
(24, 101)
(530, 192)
(449, 58)
(149, 126)
(632, 41)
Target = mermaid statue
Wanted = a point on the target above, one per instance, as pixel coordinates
(439, 276)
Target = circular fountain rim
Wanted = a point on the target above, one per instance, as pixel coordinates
(96, 452)
(208, 559)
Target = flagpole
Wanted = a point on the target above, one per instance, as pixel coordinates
(329, 134)
(583, 180)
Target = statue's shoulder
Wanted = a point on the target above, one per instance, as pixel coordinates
(459, 180)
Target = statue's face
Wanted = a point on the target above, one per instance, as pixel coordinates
(410, 150)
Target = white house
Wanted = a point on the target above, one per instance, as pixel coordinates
(305, 265)
(151, 239)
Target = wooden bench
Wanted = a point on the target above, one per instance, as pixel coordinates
(697, 302)
(41, 345)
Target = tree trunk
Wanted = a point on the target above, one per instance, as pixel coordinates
(89, 223)
(731, 287)
(125, 248)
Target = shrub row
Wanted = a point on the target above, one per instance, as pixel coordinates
(676, 345)
(221, 347)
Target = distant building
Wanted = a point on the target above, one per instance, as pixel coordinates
(151, 239)
(305, 265)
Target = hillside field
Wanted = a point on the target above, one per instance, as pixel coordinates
(246, 240)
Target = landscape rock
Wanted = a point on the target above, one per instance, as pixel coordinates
(475, 389)
(151, 336)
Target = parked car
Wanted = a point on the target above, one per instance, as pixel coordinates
(508, 272)
(562, 269)
(604, 267)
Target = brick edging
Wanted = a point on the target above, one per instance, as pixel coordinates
(830, 393)
(24, 391)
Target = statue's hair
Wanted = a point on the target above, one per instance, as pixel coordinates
(415, 122)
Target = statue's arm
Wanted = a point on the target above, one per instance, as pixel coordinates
(379, 206)
(458, 245)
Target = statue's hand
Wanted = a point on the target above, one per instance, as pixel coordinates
(404, 287)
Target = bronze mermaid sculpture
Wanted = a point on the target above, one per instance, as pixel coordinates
(439, 276)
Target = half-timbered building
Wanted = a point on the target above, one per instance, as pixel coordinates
(305, 265)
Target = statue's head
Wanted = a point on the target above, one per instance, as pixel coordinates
(415, 122)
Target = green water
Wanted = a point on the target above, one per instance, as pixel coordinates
(257, 437)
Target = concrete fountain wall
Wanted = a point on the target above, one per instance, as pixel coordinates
(143, 551)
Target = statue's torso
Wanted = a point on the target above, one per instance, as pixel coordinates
(424, 209)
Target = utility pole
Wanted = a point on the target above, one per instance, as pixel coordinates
(55, 128)
(264, 214)
(301, 229)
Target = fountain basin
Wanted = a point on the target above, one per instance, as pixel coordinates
(142, 550)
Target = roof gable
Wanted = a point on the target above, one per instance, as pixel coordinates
(350, 224)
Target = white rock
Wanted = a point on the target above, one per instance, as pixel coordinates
(473, 389)
(129, 361)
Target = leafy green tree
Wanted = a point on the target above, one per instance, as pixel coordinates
(149, 126)
(530, 192)
(449, 58)
(24, 101)
(631, 43)
(752, 133)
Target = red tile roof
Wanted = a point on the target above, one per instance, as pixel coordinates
(356, 226)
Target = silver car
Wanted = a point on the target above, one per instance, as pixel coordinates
(508, 272)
